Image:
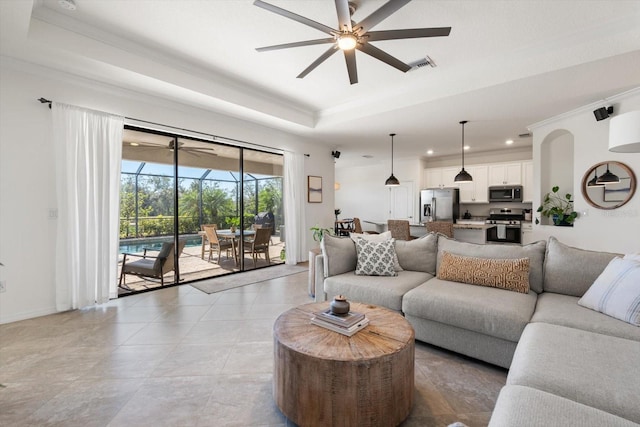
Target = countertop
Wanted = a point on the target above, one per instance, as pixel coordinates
(471, 226)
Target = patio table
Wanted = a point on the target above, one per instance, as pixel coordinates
(227, 234)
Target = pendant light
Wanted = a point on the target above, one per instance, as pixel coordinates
(463, 176)
(594, 181)
(608, 178)
(392, 181)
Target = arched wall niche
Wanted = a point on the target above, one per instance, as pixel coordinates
(556, 165)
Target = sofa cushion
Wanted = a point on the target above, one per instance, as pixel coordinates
(418, 254)
(564, 310)
(379, 290)
(375, 258)
(509, 274)
(592, 369)
(569, 270)
(534, 251)
(489, 311)
(526, 406)
(339, 255)
(616, 292)
(377, 238)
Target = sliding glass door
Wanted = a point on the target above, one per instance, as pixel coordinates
(206, 199)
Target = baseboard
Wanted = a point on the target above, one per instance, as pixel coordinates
(27, 315)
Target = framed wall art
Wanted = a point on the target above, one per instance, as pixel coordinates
(314, 186)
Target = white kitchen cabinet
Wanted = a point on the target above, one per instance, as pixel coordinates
(527, 233)
(505, 174)
(440, 177)
(527, 182)
(477, 190)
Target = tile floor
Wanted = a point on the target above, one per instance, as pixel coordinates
(180, 357)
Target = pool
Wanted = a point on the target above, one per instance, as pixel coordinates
(153, 243)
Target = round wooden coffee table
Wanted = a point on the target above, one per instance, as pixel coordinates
(323, 378)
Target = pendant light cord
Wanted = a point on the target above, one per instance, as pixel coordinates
(463, 123)
(392, 135)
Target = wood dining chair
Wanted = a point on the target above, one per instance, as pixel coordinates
(259, 244)
(216, 243)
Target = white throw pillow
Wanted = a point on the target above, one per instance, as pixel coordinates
(378, 238)
(616, 292)
(375, 258)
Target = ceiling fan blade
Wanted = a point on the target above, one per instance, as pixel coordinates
(317, 62)
(344, 17)
(295, 44)
(408, 34)
(383, 56)
(350, 57)
(295, 17)
(381, 14)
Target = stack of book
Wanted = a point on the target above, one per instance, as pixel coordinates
(347, 324)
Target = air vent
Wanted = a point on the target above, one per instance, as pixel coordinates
(421, 63)
(525, 135)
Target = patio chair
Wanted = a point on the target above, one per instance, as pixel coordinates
(259, 244)
(154, 267)
(204, 236)
(216, 243)
(441, 227)
(400, 229)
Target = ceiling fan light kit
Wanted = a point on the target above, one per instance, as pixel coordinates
(463, 175)
(353, 36)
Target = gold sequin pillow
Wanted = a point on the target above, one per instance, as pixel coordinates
(509, 274)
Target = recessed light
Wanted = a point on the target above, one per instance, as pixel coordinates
(133, 144)
(509, 141)
(429, 152)
(67, 4)
(466, 147)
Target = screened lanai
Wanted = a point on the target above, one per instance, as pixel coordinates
(235, 190)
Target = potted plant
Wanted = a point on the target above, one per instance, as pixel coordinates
(233, 223)
(558, 208)
(318, 232)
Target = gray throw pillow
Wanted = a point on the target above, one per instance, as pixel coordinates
(339, 255)
(375, 258)
(571, 271)
(418, 254)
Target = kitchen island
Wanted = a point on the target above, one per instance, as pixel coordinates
(471, 231)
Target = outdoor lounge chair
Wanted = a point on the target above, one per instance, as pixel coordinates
(148, 266)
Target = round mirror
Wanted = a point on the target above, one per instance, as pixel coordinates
(608, 185)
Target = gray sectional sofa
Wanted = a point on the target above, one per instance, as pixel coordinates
(568, 365)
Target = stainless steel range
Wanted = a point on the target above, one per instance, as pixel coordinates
(506, 226)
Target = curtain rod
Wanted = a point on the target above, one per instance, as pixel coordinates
(215, 137)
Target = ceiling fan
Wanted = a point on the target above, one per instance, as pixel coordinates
(195, 151)
(351, 35)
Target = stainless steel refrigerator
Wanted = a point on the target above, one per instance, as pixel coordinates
(439, 204)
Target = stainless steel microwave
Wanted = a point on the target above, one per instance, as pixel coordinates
(505, 193)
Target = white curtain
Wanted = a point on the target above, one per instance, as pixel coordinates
(88, 150)
(294, 208)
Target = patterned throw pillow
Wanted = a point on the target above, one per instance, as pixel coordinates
(375, 258)
(378, 238)
(509, 274)
(616, 292)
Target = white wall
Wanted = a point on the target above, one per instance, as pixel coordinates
(362, 191)
(27, 185)
(614, 230)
